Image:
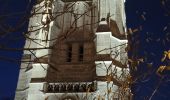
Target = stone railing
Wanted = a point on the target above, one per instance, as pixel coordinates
(70, 87)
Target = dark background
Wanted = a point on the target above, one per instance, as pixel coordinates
(152, 19)
(150, 16)
(13, 22)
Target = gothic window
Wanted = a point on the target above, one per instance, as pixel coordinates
(69, 53)
(81, 52)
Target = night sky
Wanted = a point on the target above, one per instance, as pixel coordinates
(149, 16)
(13, 22)
(150, 21)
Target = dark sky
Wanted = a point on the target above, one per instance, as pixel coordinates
(150, 14)
(12, 16)
(152, 19)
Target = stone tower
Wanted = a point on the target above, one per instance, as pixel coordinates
(67, 39)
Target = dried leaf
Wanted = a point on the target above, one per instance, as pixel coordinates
(141, 60)
(130, 60)
(149, 65)
(135, 30)
(168, 55)
(109, 78)
(130, 31)
(129, 79)
(160, 70)
(164, 56)
(118, 63)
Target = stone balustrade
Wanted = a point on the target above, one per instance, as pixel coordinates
(70, 87)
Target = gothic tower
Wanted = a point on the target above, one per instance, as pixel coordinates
(67, 37)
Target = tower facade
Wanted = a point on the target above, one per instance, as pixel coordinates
(71, 44)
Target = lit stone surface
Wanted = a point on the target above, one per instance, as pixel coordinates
(115, 47)
(103, 42)
(102, 68)
(80, 70)
(21, 95)
(103, 88)
(39, 71)
(116, 10)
